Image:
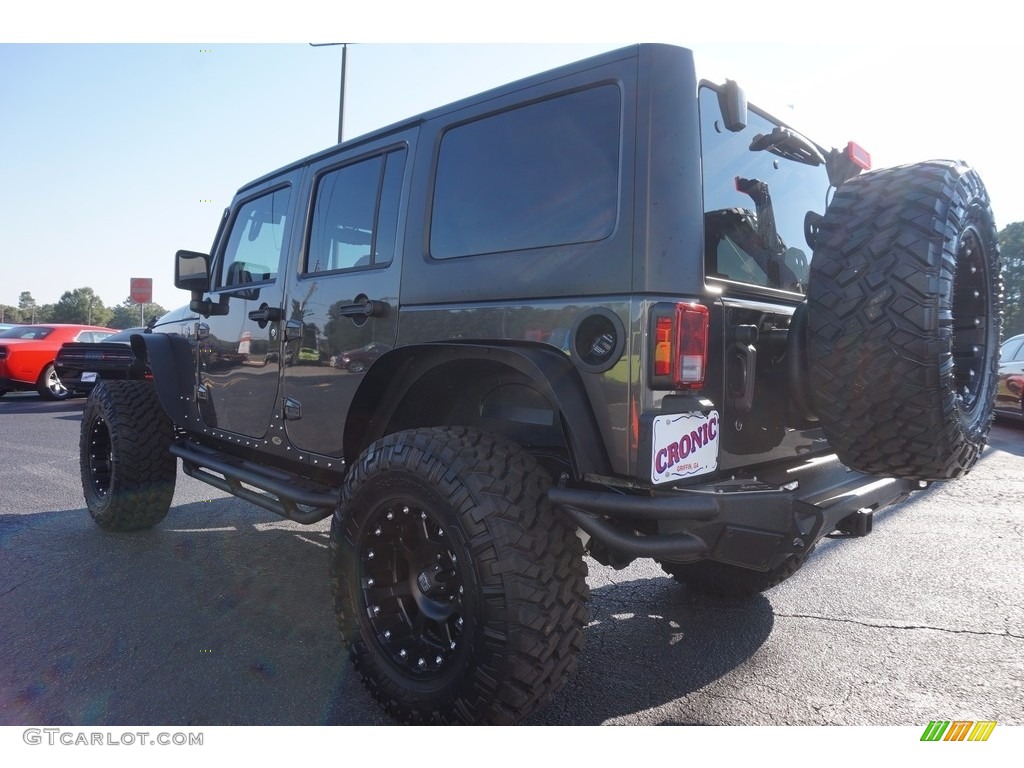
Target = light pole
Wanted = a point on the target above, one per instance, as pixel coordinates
(341, 100)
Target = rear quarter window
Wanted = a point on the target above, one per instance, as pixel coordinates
(543, 174)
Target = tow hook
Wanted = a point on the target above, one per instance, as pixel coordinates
(857, 524)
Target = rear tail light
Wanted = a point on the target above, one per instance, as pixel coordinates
(679, 346)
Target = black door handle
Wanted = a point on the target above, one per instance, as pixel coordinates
(365, 308)
(266, 314)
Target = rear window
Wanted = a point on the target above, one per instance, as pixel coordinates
(92, 337)
(539, 175)
(125, 335)
(26, 332)
(755, 202)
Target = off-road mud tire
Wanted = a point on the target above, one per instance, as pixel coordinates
(128, 472)
(714, 579)
(903, 321)
(508, 596)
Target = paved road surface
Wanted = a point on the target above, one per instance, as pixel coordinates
(222, 614)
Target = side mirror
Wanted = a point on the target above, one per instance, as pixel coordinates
(733, 103)
(192, 271)
(192, 274)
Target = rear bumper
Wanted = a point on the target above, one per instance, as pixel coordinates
(756, 524)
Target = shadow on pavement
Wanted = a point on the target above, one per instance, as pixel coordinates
(649, 643)
(22, 403)
(222, 615)
(219, 616)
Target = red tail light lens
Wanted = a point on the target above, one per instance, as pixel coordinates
(679, 336)
(693, 345)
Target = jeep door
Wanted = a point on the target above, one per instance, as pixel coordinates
(342, 312)
(239, 352)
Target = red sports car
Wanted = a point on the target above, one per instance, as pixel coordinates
(27, 353)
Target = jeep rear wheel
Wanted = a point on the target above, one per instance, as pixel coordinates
(128, 472)
(460, 594)
(903, 321)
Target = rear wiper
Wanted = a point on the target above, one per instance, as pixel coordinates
(788, 144)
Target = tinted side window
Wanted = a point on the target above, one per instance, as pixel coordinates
(253, 252)
(539, 175)
(355, 215)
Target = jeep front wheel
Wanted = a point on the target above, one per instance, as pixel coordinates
(128, 472)
(903, 321)
(460, 594)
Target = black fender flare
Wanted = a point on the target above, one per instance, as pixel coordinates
(172, 364)
(396, 373)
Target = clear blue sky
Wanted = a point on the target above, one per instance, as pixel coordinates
(112, 157)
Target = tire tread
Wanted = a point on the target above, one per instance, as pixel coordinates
(529, 564)
(144, 470)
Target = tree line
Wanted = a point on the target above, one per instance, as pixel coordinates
(1011, 247)
(81, 305)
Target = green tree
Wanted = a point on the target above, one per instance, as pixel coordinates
(128, 315)
(44, 314)
(26, 307)
(9, 314)
(81, 305)
(1011, 246)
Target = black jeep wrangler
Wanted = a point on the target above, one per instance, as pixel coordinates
(609, 310)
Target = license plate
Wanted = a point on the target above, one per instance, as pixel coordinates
(88, 376)
(684, 445)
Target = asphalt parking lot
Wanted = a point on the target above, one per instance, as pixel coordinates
(222, 614)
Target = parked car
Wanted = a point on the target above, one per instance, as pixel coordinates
(358, 360)
(80, 365)
(1011, 378)
(27, 354)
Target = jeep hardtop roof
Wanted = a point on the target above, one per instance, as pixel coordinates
(494, 93)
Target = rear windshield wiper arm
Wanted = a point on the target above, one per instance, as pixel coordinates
(788, 144)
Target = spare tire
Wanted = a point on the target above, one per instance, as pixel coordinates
(904, 321)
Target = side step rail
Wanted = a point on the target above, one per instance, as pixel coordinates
(275, 490)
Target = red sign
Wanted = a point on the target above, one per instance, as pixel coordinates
(142, 290)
